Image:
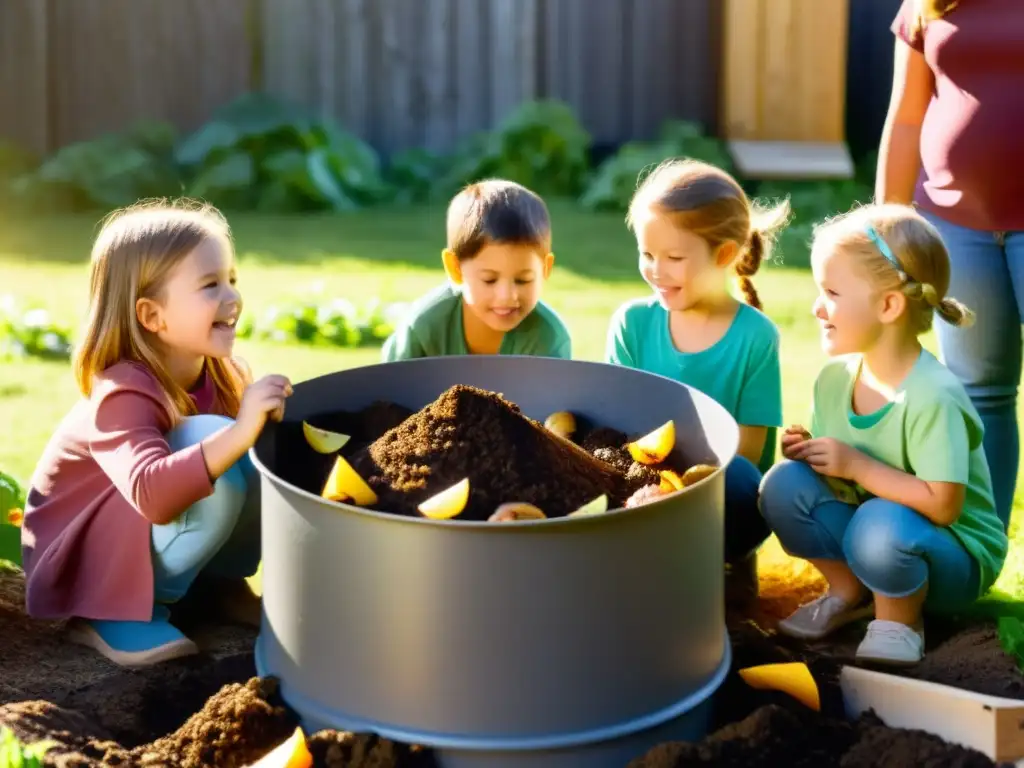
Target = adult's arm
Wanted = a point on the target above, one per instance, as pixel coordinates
(899, 151)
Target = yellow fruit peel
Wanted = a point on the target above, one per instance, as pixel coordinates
(513, 511)
(562, 423)
(670, 481)
(655, 446)
(345, 485)
(594, 507)
(696, 473)
(323, 440)
(448, 503)
(291, 753)
(793, 678)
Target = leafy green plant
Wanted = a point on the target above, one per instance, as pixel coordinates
(109, 171)
(541, 145)
(334, 322)
(12, 496)
(13, 754)
(616, 179)
(12, 510)
(263, 153)
(30, 332)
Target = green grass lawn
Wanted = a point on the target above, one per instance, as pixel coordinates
(391, 254)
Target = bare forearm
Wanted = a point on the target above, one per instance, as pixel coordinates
(898, 486)
(224, 447)
(899, 163)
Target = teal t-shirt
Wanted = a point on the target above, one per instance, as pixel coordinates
(433, 327)
(931, 430)
(740, 371)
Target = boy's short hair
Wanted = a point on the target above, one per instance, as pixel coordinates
(496, 211)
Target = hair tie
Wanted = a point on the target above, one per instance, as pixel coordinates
(930, 294)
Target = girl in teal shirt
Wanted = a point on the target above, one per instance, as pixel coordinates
(695, 228)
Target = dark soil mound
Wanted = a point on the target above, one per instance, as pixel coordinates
(469, 432)
(334, 749)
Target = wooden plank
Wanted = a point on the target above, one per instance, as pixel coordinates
(992, 725)
(473, 104)
(791, 159)
(742, 36)
(438, 75)
(355, 81)
(824, 94)
(172, 61)
(24, 74)
(780, 62)
(513, 55)
(288, 43)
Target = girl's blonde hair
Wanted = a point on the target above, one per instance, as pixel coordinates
(703, 199)
(133, 255)
(929, 10)
(897, 249)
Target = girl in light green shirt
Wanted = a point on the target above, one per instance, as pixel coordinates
(888, 494)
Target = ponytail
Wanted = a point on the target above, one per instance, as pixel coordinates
(747, 266)
(954, 312)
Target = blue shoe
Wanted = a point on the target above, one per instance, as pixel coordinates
(134, 643)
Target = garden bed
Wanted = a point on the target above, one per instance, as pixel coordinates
(212, 710)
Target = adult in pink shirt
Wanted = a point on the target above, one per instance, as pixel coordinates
(146, 484)
(952, 145)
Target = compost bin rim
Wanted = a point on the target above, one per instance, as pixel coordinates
(615, 513)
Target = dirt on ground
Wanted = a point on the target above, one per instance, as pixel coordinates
(212, 709)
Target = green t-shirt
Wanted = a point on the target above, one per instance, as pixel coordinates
(433, 327)
(931, 430)
(740, 371)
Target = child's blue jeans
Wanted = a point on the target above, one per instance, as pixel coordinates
(220, 534)
(891, 549)
(745, 529)
(987, 274)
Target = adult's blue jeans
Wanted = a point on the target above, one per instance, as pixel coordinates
(987, 274)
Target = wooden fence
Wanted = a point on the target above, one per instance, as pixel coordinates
(399, 73)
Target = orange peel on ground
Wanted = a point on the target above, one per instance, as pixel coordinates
(793, 678)
(290, 753)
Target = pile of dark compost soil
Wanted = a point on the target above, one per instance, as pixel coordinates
(474, 433)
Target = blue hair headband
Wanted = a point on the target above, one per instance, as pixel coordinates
(884, 248)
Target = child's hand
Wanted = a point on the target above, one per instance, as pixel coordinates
(792, 437)
(262, 400)
(828, 456)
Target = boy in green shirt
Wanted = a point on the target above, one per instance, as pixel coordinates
(497, 258)
(889, 493)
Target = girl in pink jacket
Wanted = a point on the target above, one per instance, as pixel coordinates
(146, 482)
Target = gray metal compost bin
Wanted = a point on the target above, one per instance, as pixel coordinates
(559, 642)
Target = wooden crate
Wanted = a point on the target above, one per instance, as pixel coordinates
(784, 87)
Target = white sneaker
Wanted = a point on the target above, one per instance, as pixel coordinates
(822, 616)
(889, 642)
